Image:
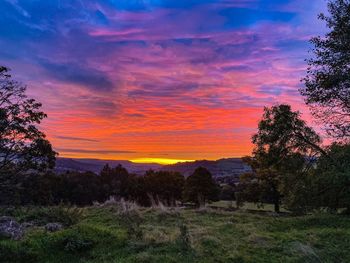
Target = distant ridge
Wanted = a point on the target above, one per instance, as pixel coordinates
(222, 168)
(96, 165)
(230, 168)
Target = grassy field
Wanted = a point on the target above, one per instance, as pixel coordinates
(118, 234)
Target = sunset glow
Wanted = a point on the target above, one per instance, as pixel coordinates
(158, 80)
(159, 160)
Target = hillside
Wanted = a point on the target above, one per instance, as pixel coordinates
(96, 165)
(121, 233)
(230, 167)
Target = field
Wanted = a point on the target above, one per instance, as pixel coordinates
(122, 233)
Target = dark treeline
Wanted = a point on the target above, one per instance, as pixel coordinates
(82, 189)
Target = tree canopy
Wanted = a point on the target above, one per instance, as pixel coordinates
(327, 83)
(284, 147)
(331, 183)
(200, 187)
(23, 146)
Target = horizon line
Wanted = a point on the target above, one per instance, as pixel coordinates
(146, 160)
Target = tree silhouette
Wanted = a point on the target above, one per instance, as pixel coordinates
(164, 186)
(279, 158)
(22, 145)
(331, 185)
(200, 187)
(327, 84)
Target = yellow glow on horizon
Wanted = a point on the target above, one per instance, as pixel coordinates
(159, 160)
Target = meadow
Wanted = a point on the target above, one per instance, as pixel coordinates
(123, 232)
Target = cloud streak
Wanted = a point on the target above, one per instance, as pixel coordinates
(75, 139)
(81, 151)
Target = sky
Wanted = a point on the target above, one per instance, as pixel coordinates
(158, 80)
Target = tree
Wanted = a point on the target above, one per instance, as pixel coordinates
(115, 181)
(200, 187)
(227, 192)
(284, 147)
(327, 84)
(331, 186)
(138, 191)
(22, 145)
(81, 188)
(165, 186)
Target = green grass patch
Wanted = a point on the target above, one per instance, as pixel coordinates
(104, 234)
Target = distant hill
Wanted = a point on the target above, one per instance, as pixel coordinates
(96, 165)
(230, 168)
(222, 168)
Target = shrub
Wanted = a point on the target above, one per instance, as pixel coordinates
(133, 225)
(16, 253)
(42, 215)
(184, 238)
(76, 244)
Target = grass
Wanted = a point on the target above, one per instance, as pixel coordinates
(246, 206)
(107, 234)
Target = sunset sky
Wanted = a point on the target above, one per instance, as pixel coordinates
(158, 79)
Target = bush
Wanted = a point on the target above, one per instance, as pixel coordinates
(76, 244)
(43, 215)
(16, 253)
(184, 239)
(132, 222)
(76, 240)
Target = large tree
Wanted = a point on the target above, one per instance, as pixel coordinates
(284, 147)
(327, 84)
(200, 187)
(23, 146)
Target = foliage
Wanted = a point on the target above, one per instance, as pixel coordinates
(129, 217)
(155, 188)
(227, 192)
(82, 189)
(78, 188)
(66, 215)
(42, 215)
(184, 240)
(282, 131)
(22, 145)
(279, 159)
(17, 253)
(52, 189)
(200, 187)
(115, 181)
(331, 183)
(76, 244)
(327, 81)
(137, 190)
(165, 187)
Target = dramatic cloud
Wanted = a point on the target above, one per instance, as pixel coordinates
(186, 79)
(92, 151)
(91, 78)
(75, 139)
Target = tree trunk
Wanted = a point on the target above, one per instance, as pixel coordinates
(277, 206)
(276, 198)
